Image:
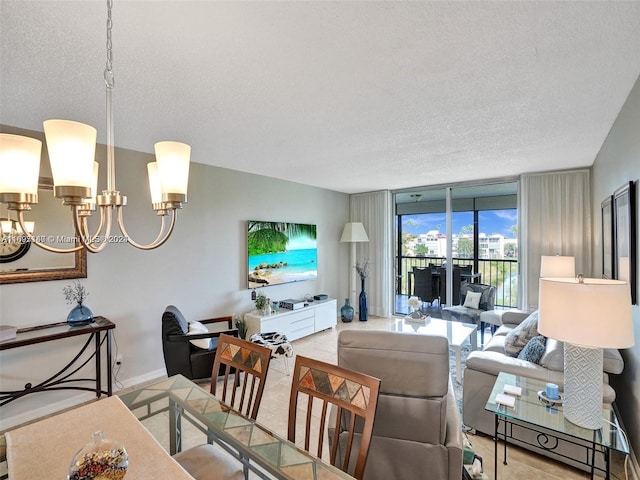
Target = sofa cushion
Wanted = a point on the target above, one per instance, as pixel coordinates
(533, 350)
(472, 299)
(488, 298)
(520, 335)
(553, 358)
(196, 328)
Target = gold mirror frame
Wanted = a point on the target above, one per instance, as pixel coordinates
(79, 270)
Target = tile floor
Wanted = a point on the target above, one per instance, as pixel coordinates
(274, 414)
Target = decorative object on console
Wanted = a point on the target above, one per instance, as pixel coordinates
(261, 303)
(14, 244)
(362, 267)
(71, 146)
(346, 312)
(571, 311)
(80, 314)
(240, 323)
(101, 458)
(353, 233)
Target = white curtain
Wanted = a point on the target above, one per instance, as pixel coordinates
(374, 210)
(555, 219)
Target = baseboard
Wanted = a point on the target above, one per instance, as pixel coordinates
(7, 423)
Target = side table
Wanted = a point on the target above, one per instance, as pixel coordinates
(530, 413)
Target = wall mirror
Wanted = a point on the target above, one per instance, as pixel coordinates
(53, 224)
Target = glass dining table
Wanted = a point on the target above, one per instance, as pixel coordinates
(263, 453)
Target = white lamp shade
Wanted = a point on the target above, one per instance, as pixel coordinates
(94, 186)
(154, 182)
(7, 226)
(354, 232)
(19, 164)
(596, 313)
(173, 166)
(72, 150)
(557, 266)
(30, 227)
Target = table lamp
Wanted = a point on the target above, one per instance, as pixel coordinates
(353, 232)
(588, 314)
(555, 266)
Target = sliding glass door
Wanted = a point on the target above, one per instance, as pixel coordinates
(478, 233)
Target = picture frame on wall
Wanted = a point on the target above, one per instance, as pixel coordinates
(624, 224)
(608, 235)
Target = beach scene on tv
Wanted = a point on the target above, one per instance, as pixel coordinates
(281, 252)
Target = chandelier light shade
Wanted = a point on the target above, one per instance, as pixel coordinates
(19, 164)
(173, 167)
(72, 148)
(154, 183)
(571, 311)
(72, 151)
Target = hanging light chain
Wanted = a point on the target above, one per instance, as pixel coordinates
(108, 71)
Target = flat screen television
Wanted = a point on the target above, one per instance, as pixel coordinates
(281, 252)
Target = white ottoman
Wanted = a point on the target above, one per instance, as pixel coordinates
(490, 317)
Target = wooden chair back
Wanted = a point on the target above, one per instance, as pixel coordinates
(354, 395)
(243, 393)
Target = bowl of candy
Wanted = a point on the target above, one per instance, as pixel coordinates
(100, 459)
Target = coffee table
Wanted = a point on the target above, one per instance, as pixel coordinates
(457, 333)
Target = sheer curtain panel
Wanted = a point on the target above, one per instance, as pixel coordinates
(555, 213)
(374, 210)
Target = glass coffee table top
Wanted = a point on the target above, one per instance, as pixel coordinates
(529, 408)
(457, 333)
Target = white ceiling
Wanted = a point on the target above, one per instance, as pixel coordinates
(349, 96)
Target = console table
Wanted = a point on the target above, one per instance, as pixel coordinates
(99, 332)
(312, 318)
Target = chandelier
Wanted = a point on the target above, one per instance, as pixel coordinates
(71, 146)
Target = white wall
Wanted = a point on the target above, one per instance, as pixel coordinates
(201, 269)
(617, 163)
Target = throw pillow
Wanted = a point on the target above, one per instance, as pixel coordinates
(533, 350)
(519, 336)
(488, 295)
(472, 300)
(197, 327)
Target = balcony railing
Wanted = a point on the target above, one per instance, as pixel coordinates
(501, 273)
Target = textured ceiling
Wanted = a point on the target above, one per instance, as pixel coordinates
(349, 96)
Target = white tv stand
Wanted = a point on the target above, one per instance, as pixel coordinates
(318, 316)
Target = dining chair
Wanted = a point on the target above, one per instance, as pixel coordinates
(457, 281)
(424, 286)
(235, 358)
(353, 397)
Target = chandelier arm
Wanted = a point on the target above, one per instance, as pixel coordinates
(44, 246)
(86, 241)
(159, 240)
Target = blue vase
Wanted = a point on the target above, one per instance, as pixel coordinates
(346, 312)
(80, 315)
(363, 310)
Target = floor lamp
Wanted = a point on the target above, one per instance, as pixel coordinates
(588, 314)
(352, 233)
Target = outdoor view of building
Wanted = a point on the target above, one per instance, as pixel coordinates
(422, 240)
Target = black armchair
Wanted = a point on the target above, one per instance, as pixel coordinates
(180, 356)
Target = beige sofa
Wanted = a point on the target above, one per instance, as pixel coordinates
(482, 368)
(417, 428)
